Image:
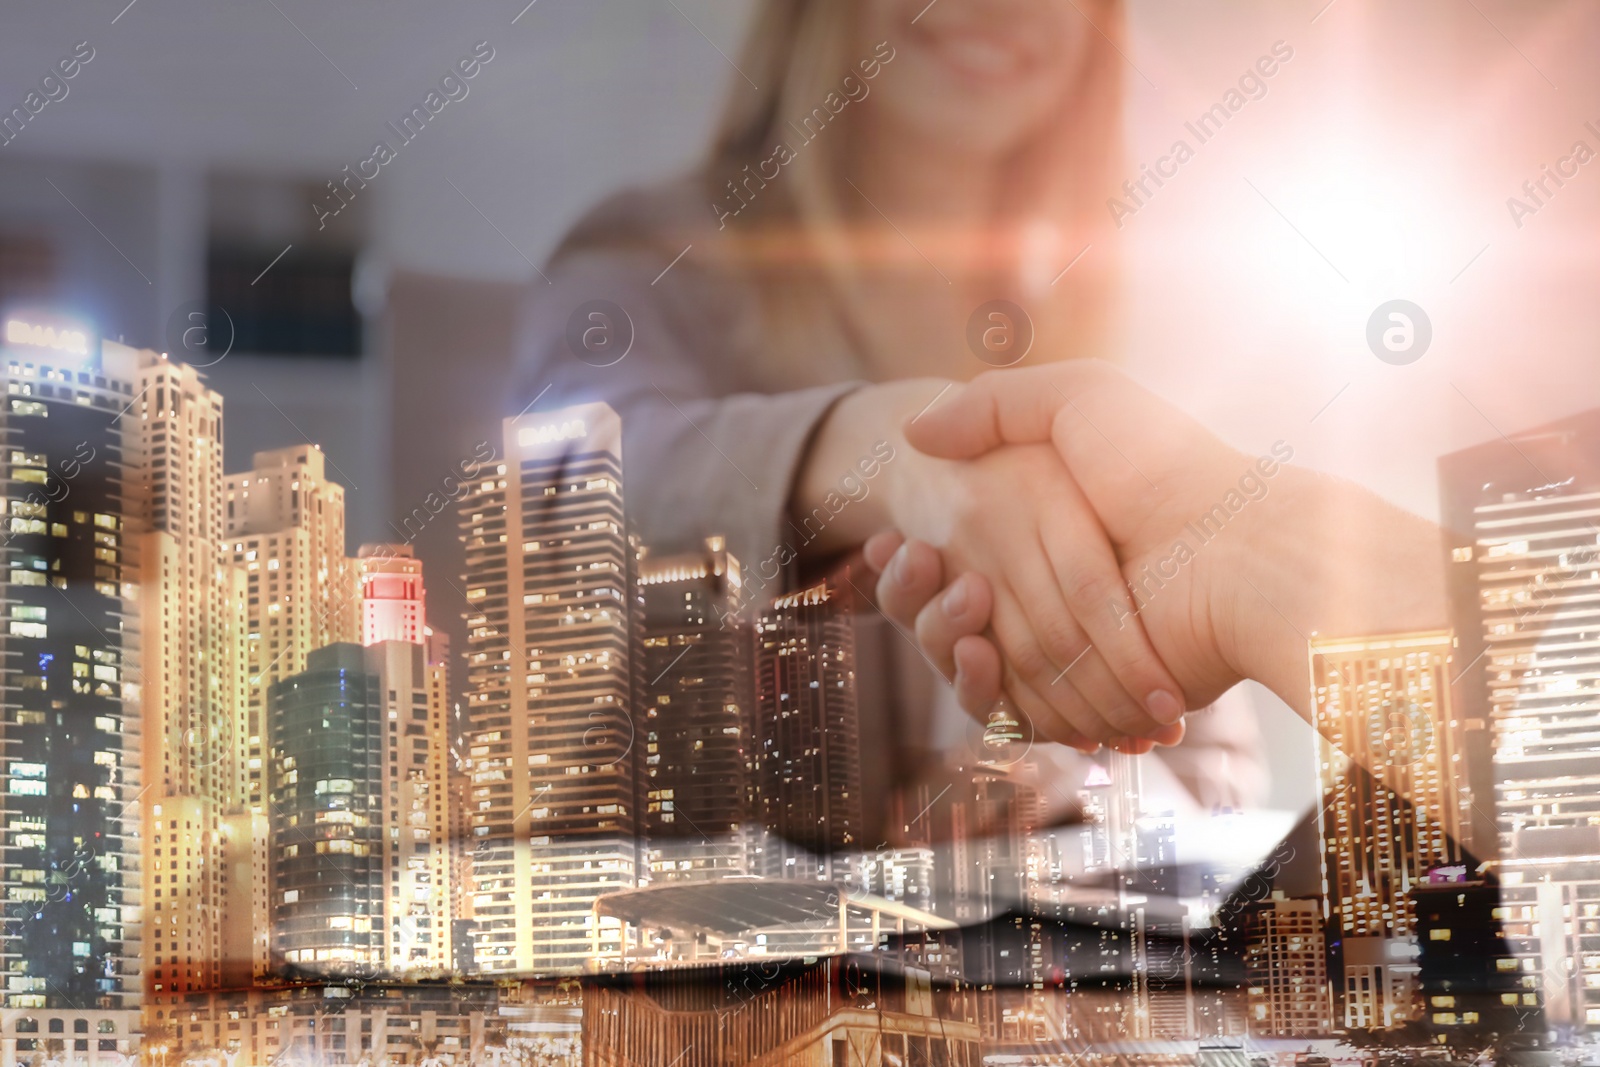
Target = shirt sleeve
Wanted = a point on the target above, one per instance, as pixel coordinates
(705, 450)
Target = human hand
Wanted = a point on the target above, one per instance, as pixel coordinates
(948, 623)
(1232, 561)
(1082, 675)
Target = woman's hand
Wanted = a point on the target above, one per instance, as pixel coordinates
(948, 622)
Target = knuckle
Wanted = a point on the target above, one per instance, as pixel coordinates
(1086, 587)
(1127, 717)
(1030, 661)
(1062, 640)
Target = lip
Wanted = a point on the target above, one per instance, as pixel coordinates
(977, 53)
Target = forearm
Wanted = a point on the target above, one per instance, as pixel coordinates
(857, 470)
(1329, 560)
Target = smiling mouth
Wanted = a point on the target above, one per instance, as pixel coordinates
(977, 53)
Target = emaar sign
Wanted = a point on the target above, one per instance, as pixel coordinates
(570, 430)
(72, 342)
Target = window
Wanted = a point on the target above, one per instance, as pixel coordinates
(303, 307)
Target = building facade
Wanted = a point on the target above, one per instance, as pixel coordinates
(694, 678)
(1475, 988)
(393, 605)
(359, 857)
(550, 693)
(1522, 516)
(806, 765)
(1387, 759)
(326, 844)
(70, 750)
(199, 881)
(1286, 968)
(285, 522)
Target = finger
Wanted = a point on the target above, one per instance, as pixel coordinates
(1038, 686)
(978, 675)
(962, 610)
(1095, 683)
(1014, 406)
(881, 547)
(1061, 648)
(1044, 720)
(912, 577)
(1090, 580)
(1168, 736)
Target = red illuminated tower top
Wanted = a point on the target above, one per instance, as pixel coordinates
(391, 595)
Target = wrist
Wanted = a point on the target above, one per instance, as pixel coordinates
(1273, 579)
(853, 480)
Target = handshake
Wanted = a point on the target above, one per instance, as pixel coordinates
(1062, 538)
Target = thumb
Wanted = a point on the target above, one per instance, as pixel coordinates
(1004, 407)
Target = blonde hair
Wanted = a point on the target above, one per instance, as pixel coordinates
(792, 239)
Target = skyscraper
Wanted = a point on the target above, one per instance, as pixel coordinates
(1286, 970)
(1473, 986)
(1523, 518)
(695, 681)
(285, 522)
(807, 760)
(192, 601)
(445, 710)
(325, 792)
(1387, 761)
(392, 603)
(549, 693)
(69, 736)
(360, 863)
